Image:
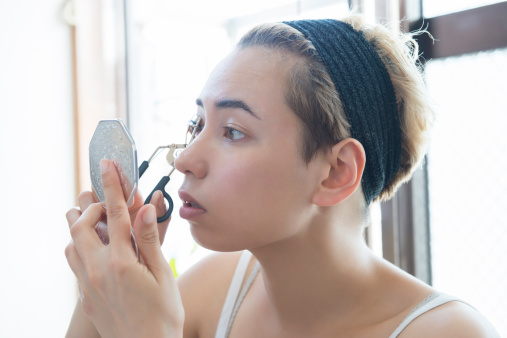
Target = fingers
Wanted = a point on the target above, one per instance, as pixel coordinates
(75, 262)
(148, 241)
(72, 216)
(73, 258)
(84, 236)
(85, 199)
(158, 201)
(137, 202)
(162, 230)
(118, 219)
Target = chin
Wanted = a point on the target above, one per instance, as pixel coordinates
(212, 240)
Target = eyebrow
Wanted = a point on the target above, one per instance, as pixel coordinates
(227, 103)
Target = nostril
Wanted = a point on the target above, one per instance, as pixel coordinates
(193, 159)
(177, 162)
(182, 161)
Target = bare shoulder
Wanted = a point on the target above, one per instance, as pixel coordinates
(453, 319)
(203, 289)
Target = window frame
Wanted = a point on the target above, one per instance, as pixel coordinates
(406, 236)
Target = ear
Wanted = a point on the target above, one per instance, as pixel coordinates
(346, 161)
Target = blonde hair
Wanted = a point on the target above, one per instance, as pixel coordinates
(311, 94)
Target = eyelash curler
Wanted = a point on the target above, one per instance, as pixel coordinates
(174, 150)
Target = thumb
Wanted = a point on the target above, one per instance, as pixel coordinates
(147, 238)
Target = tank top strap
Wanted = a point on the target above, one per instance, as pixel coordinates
(236, 294)
(432, 301)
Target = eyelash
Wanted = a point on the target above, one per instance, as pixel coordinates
(228, 132)
(198, 127)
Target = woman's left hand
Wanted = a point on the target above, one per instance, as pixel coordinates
(122, 295)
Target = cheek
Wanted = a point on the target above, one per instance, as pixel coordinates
(262, 189)
(255, 197)
(242, 182)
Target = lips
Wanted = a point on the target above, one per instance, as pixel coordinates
(188, 200)
(190, 208)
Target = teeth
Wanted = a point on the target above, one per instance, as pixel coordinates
(193, 205)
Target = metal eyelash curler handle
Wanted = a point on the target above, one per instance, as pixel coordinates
(174, 149)
(164, 180)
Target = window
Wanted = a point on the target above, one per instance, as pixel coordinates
(466, 75)
(434, 8)
(466, 168)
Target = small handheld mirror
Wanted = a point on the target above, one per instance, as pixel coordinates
(113, 141)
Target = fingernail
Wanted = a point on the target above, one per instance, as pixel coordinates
(161, 203)
(149, 215)
(80, 292)
(104, 164)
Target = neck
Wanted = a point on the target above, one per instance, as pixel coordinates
(319, 274)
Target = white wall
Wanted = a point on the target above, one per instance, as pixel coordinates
(37, 289)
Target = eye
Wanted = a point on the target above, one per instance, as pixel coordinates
(194, 128)
(233, 134)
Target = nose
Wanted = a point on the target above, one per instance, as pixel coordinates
(192, 160)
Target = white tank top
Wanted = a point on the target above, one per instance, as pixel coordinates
(236, 295)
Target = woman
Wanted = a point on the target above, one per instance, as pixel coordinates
(301, 127)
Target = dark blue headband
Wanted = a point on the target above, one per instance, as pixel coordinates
(367, 95)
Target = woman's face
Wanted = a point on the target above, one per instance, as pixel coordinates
(246, 184)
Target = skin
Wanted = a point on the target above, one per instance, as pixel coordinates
(303, 223)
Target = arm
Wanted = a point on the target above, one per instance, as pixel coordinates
(81, 325)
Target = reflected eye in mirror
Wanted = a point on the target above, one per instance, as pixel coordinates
(194, 128)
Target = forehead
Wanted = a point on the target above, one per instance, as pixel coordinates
(250, 74)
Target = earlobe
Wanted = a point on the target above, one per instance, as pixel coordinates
(346, 161)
